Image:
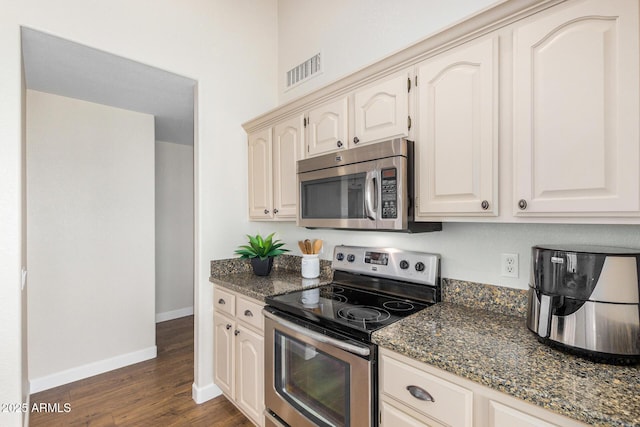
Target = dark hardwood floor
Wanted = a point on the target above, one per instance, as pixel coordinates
(152, 393)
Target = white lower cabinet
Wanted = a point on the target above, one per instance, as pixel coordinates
(502, 415)
(239, 352)
(415, 394)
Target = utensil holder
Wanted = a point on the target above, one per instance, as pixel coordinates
(310, 267)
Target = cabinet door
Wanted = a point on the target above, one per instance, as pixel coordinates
(223, 357)
(458, 135)
(288, 143)
(260, 183)
(382, 110)
(250, 373)
(328, 129)
(501, 415)
(576, 110)
(391, 416)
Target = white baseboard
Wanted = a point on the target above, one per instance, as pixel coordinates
(174, 314)
(91, 369)
(202, 394)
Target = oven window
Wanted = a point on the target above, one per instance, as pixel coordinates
(315, 383)
(339, 197)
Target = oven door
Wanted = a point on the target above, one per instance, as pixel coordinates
(314, 379)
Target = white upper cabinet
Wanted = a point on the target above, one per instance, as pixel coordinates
(260, 183)
(273, 191)
(288, 143)
(457, 143)
(382, 110)
(327, 128)
(576, 111)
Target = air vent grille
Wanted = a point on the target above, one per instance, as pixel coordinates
(304, 71)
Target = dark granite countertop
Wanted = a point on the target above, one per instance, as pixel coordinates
(236, 275)
(498, 351)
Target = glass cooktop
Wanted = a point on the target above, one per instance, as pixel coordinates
(354, 311)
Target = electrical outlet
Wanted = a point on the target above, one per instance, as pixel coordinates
(509, 266)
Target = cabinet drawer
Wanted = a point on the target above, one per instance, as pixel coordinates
(452, 405)
(250, 312)
(224, 302)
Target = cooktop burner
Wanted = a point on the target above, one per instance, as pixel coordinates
(346, 309)
(372, 288)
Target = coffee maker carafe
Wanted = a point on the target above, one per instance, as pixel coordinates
(586, 299)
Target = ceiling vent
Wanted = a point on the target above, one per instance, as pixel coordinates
(300, 73)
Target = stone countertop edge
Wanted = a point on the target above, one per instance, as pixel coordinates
(498, 351)
(236, 274)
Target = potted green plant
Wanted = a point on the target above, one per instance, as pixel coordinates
(261, 252)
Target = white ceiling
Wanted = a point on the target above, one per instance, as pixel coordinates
(65, 68)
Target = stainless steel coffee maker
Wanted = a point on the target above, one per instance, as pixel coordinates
(585, 298)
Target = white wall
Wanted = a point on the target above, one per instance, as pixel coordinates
(352, 34)
(90, 239)
(174, 230)
(229, 47)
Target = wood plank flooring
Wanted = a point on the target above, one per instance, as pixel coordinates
(152, 393)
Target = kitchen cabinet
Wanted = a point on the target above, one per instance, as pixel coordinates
(239, 351)
(576, 139)
(273, 153)
(457, 148)
(382, 110)
(288, 143)
(260, 175)
(440, 398)
(328, 128)
(436, 401)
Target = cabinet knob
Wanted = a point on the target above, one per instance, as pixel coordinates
(221, 301)
(420, 393)
(228, 326)
(356, 139)
(236, 332)
(485, 205)
(266, 211)
(275, 211)
(248, 313)
(522, 204)
(339, 143)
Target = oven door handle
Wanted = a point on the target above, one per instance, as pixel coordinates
(351, 348)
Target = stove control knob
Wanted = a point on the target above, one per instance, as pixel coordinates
(339, 256)
(351, 257)
(419, 266)
(404, 264)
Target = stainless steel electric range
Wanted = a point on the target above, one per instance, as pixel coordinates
(320, 362)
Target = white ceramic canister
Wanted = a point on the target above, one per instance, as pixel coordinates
(310, 266)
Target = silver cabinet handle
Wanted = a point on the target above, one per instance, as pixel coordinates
(221, 301)
(275, 211)
(236, 332)
(228, 326)
(420, 393)
(356, 139)
(485, 205)
(522, 204)
(339, 143)
(266, 211)
(248, 313)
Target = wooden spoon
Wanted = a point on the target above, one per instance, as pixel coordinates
(317, 246)
(302, 246)
(307, 245)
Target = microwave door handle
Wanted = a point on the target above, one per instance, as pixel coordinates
(370, 196)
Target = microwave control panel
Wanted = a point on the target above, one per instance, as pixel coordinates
(389, 180)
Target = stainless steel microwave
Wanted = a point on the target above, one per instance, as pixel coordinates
(363, 188)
